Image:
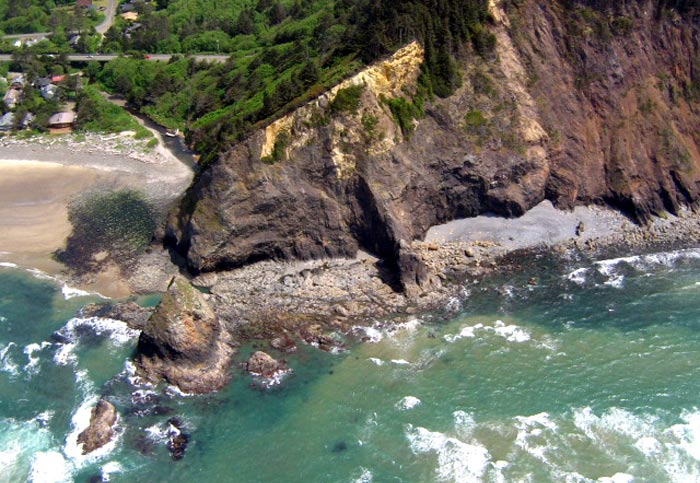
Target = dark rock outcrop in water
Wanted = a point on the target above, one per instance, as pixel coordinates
(131, 313)
(101, 428)
(184, 343)
(262, 364)
(564, 111)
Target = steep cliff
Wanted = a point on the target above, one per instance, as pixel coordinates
(565, 110)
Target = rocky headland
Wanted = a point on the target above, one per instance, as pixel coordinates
(329, 218)
(569, 138)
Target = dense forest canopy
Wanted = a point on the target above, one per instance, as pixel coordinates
(284, 54)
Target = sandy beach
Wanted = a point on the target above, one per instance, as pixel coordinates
(39, 179)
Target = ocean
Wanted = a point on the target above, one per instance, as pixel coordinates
(569, 370)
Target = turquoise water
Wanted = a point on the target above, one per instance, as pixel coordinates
(589, 375)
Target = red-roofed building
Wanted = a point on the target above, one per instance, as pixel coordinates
(58, 78)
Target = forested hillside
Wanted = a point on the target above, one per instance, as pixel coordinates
(283, 55)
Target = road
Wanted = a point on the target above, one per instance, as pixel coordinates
(108, 57)
(110, 12)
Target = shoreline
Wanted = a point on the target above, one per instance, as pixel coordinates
(41, 176)
(309, 300)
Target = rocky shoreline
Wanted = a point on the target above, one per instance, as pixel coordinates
(282, 304)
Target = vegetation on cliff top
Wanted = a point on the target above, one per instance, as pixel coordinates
(285, 53)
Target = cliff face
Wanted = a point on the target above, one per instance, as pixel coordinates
(564, 110)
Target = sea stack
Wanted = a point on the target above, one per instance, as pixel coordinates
(183, 342)
(101, 428)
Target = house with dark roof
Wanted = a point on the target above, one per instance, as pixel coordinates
(61, 122)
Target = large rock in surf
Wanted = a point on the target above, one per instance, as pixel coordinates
(131, 313)
(183, 342)
(101, 428)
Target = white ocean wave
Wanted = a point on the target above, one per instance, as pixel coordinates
(174, 391)
(511, 333)
(530, 431)
(50, 467)
(366, 476)
(109, 469)
(44, 417)
(400, 362)
(617, 478)
(274, 380)
(67, 291)
(32, 366)
(464, 424)
(376, 361)
(7, 364)
(8, 265)
(578, 276)
(64, 355)
(408, 402)
(20, 442)
(458, 461)
(119, 334)
(379, 331)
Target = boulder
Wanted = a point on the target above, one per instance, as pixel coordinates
(101, 428)
(183, 342)
(283, 343)
(262, 364)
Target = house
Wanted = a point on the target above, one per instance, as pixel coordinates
(49, 92)
(61, 122)
(130, 16)
(12, 97)
(16, 80)
(84, 3)
(127, 7)
(7, 122)
(58, 78)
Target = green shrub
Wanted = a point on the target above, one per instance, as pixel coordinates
(278, 150)
(142, 133)
(152, 143)
(404, 112)
(348, 99)
(369, 124)
(475, 119)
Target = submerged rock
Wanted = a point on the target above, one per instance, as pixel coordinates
(183, 342)
(177, 440)
(101, 428)
(283, 343)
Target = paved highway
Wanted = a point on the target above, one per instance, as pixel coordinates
(107, 57)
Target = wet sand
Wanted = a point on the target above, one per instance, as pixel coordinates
(33, 204)
(37, 184)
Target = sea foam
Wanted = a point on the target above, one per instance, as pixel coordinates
(511, 332)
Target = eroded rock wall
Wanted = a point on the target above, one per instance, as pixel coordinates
(559, 112)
